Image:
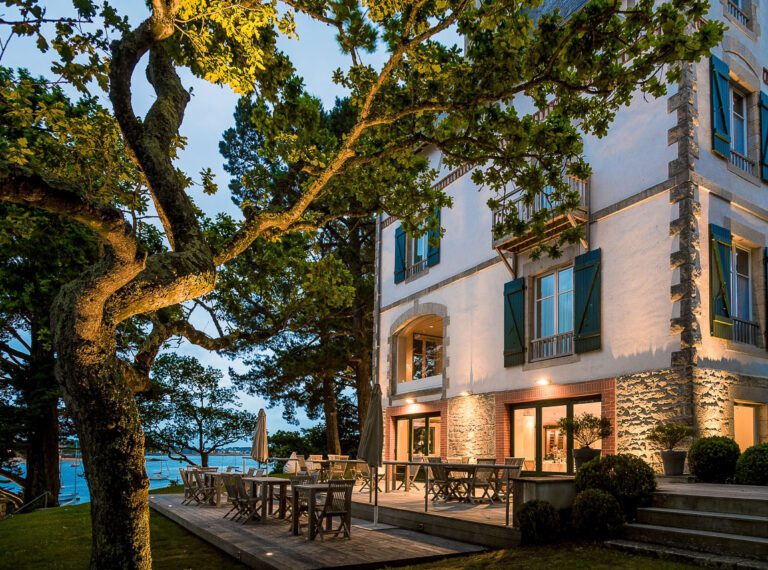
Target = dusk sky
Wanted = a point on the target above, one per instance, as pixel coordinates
(315, 55)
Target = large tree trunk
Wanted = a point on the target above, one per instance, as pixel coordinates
(362, 327)
(333, 442)
(41, 396)
(99, 396)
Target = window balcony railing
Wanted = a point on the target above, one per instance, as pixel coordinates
(746, 332)
(512, 204)
(739, 15)
(415, 268)
(742, 162)
(552, 346)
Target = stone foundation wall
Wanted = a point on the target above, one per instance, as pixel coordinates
(645, 399)
(472, 425)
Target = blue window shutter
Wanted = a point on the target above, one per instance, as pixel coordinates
(399, 254)
(433, 251)
(586, 307)
(721, 107)
(764, 136)
(721, 317)
(514, 322)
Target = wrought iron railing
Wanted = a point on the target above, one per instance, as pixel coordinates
(513, 202)
(415, 268)
(747, 332)
(742, 162)
(552, 346)
(741, 16)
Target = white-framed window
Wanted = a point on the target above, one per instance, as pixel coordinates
(739, 121)
(416, 250)
(554, 315)
(741, 291)
(427, 356)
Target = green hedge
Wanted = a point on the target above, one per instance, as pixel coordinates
(627, 477)
(713, 459)
(752, 466)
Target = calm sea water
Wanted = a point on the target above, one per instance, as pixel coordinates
(74, 489)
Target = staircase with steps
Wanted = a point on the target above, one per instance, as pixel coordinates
(728, 521)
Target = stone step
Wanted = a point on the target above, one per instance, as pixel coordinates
(674, 554)
(711, 504)
(728, 523)
(707, 541)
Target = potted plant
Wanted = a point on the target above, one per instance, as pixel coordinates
(585, 429)
(665, 437)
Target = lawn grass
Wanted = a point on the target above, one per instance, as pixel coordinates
(553, 557)
(60, 539)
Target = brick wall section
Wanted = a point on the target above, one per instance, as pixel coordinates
(603, 388)
(390, 427)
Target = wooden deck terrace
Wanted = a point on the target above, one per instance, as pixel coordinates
(482, 523)
(271, 545)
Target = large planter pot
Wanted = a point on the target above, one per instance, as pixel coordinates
(674, 462)
(584, 454)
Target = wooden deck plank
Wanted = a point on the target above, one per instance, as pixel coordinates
(271, 545)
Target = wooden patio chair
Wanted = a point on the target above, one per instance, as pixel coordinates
(337, 504)
(232, 497)
(251, 471)
(338, 468)
(439, 484)
(411, 472)
(188, 487)
(366, 476)
(501, 484)
(249, 505)
(308, 479)
(204, 492)
(483, 478)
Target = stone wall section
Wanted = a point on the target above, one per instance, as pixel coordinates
(472, 426)
(645, 399)
(713, 394)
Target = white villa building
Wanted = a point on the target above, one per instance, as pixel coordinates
(660, 313)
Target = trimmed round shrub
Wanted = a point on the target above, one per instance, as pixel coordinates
(713, 459)
(539, 523)
(752, 466)
(628, 478)
(596, 515)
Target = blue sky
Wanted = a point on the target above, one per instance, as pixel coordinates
(315, 55)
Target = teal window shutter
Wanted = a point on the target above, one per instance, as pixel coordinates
(764, 136)
(514, 322)
(399, 254)
(586, 306)
(721, 319)
(433, 245)
(721, 107)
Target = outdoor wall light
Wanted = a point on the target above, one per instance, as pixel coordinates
(465, 393)
(410, 401)
(543, 382)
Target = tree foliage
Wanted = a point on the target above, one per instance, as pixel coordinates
(476, 106)
(190, 412)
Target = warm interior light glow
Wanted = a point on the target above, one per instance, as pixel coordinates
(465, 393)
(410, 401)
(542, 381)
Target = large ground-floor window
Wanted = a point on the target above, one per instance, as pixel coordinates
(536, 437)
(417, 436)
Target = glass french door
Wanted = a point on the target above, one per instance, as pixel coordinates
(417, 436)
(536, 437)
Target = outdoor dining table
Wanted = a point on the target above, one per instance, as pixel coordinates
(311, 490)
(267, 485)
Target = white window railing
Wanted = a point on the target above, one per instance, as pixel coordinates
(747, 332)
(742, 162)
(740, 16)
(513, 202)
(415, 268)
(552, 346)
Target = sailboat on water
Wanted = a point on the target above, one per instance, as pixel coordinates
(67, 496)
(162, 473)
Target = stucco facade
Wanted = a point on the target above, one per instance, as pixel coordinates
(656, 191)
